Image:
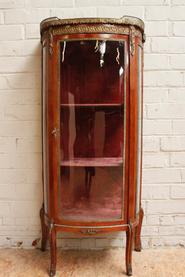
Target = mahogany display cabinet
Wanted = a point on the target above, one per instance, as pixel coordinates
(92, 72)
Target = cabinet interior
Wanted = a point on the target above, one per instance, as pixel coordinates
(92, 129)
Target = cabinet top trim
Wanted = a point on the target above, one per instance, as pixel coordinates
(125, 20)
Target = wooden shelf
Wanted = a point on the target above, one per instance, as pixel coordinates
(93, 105)
(82, 162)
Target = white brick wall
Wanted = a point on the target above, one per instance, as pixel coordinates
(164, 122)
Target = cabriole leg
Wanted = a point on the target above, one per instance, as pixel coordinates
(129, 244)
(44, 230)
(138, 246)
(53, 253)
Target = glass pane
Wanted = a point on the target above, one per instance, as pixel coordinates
(44, 126)
(92, 129)
(91, 192)
(139, 139)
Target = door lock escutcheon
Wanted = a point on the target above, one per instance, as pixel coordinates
(54, 132)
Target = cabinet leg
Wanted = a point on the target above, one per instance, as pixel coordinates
(137, 240)
(129, 244)
(44, 229)
(53, 251)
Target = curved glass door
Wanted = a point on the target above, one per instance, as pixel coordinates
(45, 126)
(92, 131)
(139, 130)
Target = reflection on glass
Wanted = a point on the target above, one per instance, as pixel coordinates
(139, 138)
(92, 129)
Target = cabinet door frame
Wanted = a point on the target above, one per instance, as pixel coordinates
(56, 41)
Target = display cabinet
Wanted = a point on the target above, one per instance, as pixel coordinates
(92, 129)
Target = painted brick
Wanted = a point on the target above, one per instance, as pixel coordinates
(177, 13)
(63, 3)
(173, 143)
(176, 95)
(177, 159)
(12, 176)
(170, 230)
(178, 2)
(159, 111)
(166, 207)
(41, 3)
(163, 78)
(151, 160)
(168, 45)
(10, 4)
(149, 230)
(48, 3)
(25, 208)
(147, 45)
(32, 31)
(20, 48)
(174, 241)
(19, 64)
(156, 28)
(153, 220)
(81, 3)
(20, 176)
(23, 97)
(179, 219)
(19, 160)
(178, 127)
(150, 144)
(183, 175)
(8, 220)
(146, 242)
(74, 12)
(7, 145)
(17, 129)
(156, 242)
(11, 32)
(177, 62)
(14, 81)
(7, 191)
(166, 220)
(157, 13)
(161, 176)
(22, 112)
(120, 11)
(155, 192)
(166, 230)
(30, 192)
(155, 61)
(4, 208)
(28, 145)
(26, 221)
(145, 2)
(178, 192)
(25, 16)
(157, 95)
(1, 18)
(178, 29)
(157, 127)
